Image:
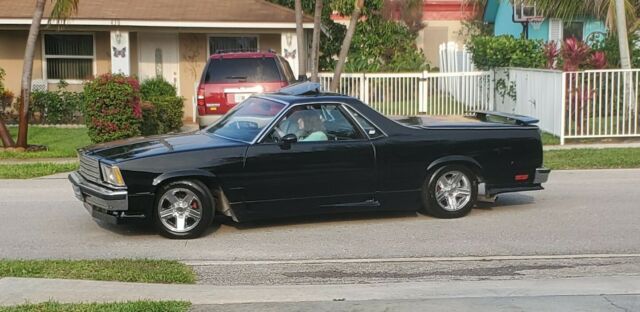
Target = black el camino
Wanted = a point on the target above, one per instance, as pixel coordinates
(300, 152)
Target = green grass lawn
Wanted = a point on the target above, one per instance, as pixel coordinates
(28, 171)
(550, 139)
(609, 158)
(61, 142)
(122, 270)
(136, 306)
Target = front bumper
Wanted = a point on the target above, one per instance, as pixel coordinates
(102, 203)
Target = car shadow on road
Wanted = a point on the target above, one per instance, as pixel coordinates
(507, 201)
(319, 219)
(145, 229)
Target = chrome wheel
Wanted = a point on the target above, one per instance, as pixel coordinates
(180, 210)
(453, 191)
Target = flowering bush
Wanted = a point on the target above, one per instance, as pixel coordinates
(112, 108)
(551, 52)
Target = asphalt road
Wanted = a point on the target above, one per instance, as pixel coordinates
(581, 212)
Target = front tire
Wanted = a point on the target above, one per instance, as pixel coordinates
(183, 210)
(451, 192)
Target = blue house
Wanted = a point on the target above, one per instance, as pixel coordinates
(500, 13)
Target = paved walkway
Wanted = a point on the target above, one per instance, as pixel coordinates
(592, 146)
(16, 161)
(20, 290)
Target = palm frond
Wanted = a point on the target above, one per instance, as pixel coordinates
(573, 9)
(63, 9)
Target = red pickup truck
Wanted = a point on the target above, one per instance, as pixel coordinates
(230, 78)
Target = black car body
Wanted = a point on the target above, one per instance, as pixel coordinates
(376, 163)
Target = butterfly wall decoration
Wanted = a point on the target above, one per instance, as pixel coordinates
(120, 53)
(290, 54)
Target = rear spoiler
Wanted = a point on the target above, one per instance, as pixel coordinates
(505, 118)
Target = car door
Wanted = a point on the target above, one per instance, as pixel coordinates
(329, 169)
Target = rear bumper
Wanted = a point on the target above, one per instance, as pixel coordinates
(541, 176)
(206, 120)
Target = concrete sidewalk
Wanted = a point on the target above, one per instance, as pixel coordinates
(591, 146)
(25, 161)
(15, 291)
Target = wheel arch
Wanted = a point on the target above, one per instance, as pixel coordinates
(466, 161)
(210, 180)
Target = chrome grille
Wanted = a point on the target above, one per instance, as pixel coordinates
(90, 168)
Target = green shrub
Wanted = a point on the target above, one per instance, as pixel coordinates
(112, 108)
(506, 51)
(2, 75)
(169, 113)
(57, 107)
(611, 48)
(150, 124)
(381, 45)
(156, 87)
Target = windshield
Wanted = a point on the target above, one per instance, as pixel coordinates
(246, 120)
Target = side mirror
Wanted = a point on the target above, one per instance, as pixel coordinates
(287, 140)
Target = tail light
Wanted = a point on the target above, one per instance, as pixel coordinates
(202, 109)
(201, 101)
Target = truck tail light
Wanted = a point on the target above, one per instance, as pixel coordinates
(201, 97)
(521, 177)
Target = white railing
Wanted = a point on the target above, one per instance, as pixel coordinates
(531, 92)
(416, 93)
(600, 103)
(455, 59)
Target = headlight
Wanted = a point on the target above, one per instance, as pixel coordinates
(112, 175)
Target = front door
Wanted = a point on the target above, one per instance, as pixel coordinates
(158, 57)
(330, 169)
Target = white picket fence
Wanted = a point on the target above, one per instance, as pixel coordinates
(601, 103)
(419, 93)
(454, 59)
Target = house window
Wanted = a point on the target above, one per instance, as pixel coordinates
(69, 57)
(573, 29)
(229, 44)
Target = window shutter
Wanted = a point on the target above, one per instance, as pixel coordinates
(555, 30)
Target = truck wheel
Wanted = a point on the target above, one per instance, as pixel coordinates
(184, 209)
(451, 192)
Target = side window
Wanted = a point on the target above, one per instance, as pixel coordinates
(372, 131)
(314, 123)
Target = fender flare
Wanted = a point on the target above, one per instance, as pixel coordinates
(191, 173)
(474, 165)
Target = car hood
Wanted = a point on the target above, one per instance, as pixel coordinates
(123, 150)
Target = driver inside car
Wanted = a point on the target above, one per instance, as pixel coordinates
(307, 125)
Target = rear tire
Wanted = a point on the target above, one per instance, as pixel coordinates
(183, 209)
(451, 192)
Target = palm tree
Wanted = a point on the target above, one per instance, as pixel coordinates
(61, 10)
(346, 44)
(302, 51)
(315, 43)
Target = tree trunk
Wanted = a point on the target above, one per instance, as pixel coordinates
(346, 44)
(302, 51)
(5, 137)
(315, 44)
(625, 59)
(27, 69)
